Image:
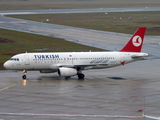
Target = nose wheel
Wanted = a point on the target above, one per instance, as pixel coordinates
(24, 74)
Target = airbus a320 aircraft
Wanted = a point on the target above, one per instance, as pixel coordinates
(69, 64)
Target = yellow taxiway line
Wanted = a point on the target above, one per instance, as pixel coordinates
(7, 87)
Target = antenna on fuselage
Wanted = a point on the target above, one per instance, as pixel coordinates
(26, 52)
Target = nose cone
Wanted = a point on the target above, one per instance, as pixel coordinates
(7, 65)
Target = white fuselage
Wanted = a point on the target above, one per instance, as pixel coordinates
(85, 60)
(72, 63)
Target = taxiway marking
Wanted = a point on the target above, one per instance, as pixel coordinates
(7, 87)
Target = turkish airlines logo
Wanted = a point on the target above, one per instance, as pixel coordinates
(137, 41)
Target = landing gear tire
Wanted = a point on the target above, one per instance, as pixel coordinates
(81, 76)
(67, 77)
(24, 76)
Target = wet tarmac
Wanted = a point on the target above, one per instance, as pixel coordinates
(119, 93)
(116, 93)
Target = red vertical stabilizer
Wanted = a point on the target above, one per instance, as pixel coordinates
(136, 41)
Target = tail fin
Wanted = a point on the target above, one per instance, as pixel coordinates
(136, 41)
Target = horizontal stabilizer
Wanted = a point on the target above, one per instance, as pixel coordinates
(140, 55)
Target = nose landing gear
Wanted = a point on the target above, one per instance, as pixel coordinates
(24, 74)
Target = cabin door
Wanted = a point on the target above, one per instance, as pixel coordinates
(27, 60)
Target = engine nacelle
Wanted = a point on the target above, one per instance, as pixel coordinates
(66, 72)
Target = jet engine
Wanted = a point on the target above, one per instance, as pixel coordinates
(66, 72)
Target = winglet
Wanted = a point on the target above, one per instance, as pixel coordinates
(143, 114)
(136, 41)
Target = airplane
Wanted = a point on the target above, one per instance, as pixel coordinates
(69, 64)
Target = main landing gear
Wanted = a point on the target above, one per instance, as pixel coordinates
(80, 76)
(24, 74)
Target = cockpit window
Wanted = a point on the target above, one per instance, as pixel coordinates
(14, 59)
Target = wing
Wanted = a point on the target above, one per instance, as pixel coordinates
(151, 117)
(82, 66)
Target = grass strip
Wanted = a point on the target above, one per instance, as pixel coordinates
(74, 4)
